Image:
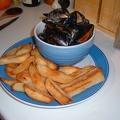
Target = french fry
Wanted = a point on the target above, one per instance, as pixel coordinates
(42, 61)
(83, 71)
(8, 81)
(36, 78)
(18, 86)
(24, 49)
(11, 52)
(54, 74)
(51, 65)
(24, 77)
(68, 69)
(37, 95)
(9, 68)
(57, 92)
(20, 46)
(13, 59)
(23, 65)
(84, 82)
(80, 78)
(35, 52)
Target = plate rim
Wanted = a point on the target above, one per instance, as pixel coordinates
(28, 39)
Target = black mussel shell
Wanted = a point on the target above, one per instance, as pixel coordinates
(64, 3)
(57, 14)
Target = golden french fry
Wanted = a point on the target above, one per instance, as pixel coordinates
(13, 59)
(43, 79)
(24, 49)
(9, 68)
(84, 82)
(11, 52)
(35, 52)
(83, 71)
(52, 65)
(54, 74)
(23, 65)
(42, 61)
(68, 69)
(36, 78)
(37, 95)
(24, 77)
(8, 81)
(20, 46)
(57, 92)
(18, 86)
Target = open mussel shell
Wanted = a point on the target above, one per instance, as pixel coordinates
(56, 34)
(57, 14)
(87, 33)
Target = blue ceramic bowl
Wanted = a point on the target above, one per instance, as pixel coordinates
(62, 55)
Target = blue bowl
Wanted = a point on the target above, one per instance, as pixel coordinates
(62, 55)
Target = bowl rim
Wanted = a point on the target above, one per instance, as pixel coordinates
(55, 46)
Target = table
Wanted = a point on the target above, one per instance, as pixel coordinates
(102, 106)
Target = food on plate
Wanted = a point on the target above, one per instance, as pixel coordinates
(13, 59)
(23, 65)
(54, 74)
(8, 81)
(24, 49)
(9, 68)
(11, 51)
(68, 69)
(40, 60)
(43, 80)
(36, 78)
(57, 92)
(18, 86)
(83, 71)
(84, 82)
(35, 94)
(24, 77)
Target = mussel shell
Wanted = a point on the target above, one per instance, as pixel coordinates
(84, 34)
(57, 14)
(73, 19)
(64, 3)
(58, 35)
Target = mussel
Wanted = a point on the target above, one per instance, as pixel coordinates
(64, 28)
(56, 15)
(59, 13)
(57, 34)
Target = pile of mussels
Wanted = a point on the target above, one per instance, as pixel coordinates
(63, 28)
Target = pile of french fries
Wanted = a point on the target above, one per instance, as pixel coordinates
(44, 81)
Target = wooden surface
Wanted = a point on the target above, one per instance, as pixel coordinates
(110, 15)
(90, 8)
